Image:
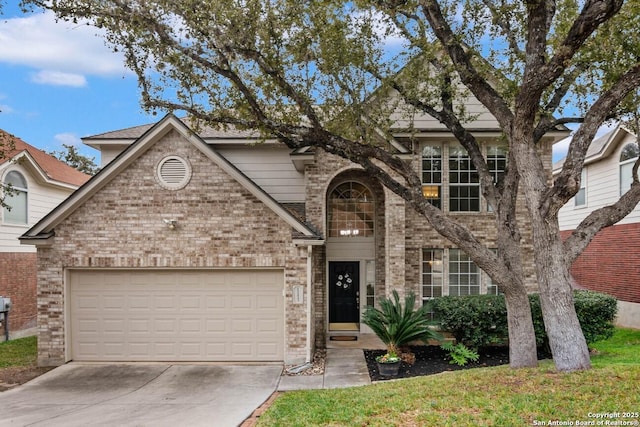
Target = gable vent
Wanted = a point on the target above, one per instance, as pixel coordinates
(173, 173)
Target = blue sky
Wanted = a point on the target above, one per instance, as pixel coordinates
(59, 83)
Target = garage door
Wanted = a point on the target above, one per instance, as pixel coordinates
(178, 315)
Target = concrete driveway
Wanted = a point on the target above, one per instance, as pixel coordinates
(140, 395)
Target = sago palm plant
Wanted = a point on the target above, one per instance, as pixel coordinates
(397, 325)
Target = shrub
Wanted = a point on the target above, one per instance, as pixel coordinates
(397, 324)
(481, 320)
(477, 321)
(596, 312)
(459, 354)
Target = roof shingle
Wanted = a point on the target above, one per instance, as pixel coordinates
(52, 167)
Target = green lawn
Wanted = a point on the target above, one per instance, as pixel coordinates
(481, 397)
(19, 352)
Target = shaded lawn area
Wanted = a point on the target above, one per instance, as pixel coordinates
(496, 396)
(18, 362)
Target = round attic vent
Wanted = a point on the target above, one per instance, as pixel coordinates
(174, 172)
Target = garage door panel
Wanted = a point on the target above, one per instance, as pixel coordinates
(177, 315)
(165, 326)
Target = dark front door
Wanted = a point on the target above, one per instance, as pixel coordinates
(344, 292)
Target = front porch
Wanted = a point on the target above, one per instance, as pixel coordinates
(364, 341)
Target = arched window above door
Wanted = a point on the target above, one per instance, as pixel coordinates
(351, 211)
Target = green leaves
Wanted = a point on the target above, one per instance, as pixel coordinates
(460, 355)
(398, 324)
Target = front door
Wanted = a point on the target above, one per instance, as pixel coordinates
(344, 295)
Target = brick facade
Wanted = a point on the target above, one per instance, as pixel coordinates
(611, 262)
(18, 277)
(220, 224)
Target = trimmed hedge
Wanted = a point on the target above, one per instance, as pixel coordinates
(481, 320)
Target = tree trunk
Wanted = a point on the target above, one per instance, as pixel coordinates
(568, 346)
(522, 339)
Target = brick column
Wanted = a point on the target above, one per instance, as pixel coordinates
(394, 243)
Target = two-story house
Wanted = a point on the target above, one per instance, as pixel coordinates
(219, 246)
(611, 262)
(39, 183)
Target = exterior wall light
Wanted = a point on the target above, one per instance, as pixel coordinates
(171, 223)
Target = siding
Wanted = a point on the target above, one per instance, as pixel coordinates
(479, 118)
(271, 168)
(603, 188)
(108, 153)
(41, 199)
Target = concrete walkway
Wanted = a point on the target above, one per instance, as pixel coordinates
(344, 367)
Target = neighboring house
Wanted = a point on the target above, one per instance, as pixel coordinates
(217, 247)
(40, 182)
(611, 262)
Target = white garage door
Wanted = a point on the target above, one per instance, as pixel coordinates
(177, 315)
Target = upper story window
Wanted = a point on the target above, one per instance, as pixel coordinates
(496, 162)
(16, 212)
(464, 183)
(351, 211)
(628, 156)
(580, 198)
(449, 171)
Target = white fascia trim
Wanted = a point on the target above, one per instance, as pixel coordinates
(35, 167)
(616, 136)
(50, 221)
(155, 133)
(97, 143)
(38, 242)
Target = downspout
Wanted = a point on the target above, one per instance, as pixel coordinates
(309, 292)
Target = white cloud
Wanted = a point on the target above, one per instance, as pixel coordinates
(40, 42)
(68, 139)
(5, 109)
(58, 78)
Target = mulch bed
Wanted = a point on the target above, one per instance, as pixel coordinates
(433, 360)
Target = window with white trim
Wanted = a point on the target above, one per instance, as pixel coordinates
(628, 157)
(15, 200)
(432, 175)
(351, 211)
(452, 272)
(580, 199)
(464, 183)
(464, 274)
(451, 166)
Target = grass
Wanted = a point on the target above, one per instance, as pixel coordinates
(480, 397)
(19, 352)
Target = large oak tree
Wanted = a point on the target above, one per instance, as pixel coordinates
(319, 73)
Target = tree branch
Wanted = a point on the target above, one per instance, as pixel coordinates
(567, 182)
(478, 85)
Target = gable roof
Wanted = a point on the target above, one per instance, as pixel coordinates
(45, 227)
(46, 166)
(601, 147)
